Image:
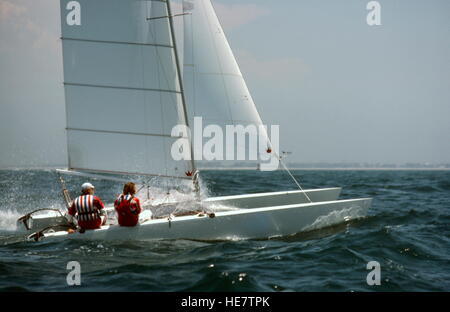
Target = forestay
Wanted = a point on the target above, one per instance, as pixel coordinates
(122, 88)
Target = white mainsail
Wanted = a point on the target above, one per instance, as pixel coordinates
(122, 87)
(214, 86)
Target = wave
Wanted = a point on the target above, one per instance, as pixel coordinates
(423, 189)
(444, 185)
(8, 220)
(335, 217)
(13, 289)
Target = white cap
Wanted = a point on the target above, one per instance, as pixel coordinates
(86, 186)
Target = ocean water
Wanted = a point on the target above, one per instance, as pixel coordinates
(407, 231)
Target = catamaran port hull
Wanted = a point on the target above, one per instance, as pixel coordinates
(258, 200)
(256, 223)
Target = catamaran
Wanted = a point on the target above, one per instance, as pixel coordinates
(126, 90)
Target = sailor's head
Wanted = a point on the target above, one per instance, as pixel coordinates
(87, 188)
(129, 188)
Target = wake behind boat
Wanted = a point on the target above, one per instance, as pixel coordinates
(125, 94)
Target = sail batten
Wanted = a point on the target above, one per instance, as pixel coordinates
(86, 171)
(118, 87)
(122, 88)
(124, 132)
(119, 42)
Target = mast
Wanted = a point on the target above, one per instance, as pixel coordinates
(183, 99)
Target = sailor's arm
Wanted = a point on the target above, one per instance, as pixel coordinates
(135, 206)
(98, 203)
(70, 216)
(72, 209)
(116, 204)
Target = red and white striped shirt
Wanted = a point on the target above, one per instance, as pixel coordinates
(87, 208)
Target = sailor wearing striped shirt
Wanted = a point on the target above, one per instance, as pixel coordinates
(127, 206)
(88, 209)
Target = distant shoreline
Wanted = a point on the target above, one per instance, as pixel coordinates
(254, 169)
(338, 169)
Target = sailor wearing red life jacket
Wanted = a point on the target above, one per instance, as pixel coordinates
(88, 209)
(127, 206)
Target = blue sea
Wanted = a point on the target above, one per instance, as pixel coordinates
(407, 232)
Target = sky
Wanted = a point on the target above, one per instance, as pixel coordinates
(341, 90)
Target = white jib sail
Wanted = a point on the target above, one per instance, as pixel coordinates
(122, 89)
(214, 86)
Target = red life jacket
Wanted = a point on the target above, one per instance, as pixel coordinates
(128, 209)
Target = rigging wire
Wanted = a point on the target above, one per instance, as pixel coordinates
(292, 176)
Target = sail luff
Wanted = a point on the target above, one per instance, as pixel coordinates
(180, 81)
(60, 3)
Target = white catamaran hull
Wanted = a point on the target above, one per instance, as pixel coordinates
(259, 200)
(256, 223)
